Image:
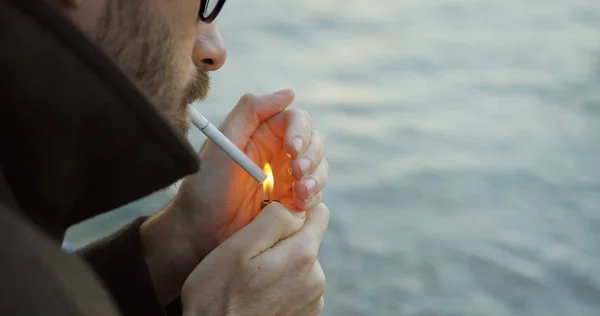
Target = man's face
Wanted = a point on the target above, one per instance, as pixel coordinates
(161, 44)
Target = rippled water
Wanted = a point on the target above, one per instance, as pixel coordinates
(464, 143)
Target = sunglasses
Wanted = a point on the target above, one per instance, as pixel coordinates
(209, 9)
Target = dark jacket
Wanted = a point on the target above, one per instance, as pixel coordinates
(77, 139)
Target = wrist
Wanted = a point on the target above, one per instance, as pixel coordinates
(194, 221)
(169, 252)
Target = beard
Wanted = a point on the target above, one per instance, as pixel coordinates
(140, 43)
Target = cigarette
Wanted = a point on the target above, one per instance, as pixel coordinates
(226, 145)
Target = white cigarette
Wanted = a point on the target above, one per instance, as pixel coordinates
(226, 145)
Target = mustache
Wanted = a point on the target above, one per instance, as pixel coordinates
(196, 90)
(199, 86)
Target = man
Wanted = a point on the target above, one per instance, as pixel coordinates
(88, 90)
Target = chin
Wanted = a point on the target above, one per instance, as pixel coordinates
(184, 126)
(180, 119)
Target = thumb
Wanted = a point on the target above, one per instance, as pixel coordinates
(273, 223)
(250, 111)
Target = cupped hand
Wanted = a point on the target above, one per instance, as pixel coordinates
(222, 198)
(269, 268)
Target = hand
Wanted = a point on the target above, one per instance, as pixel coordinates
(222, 198)
(268, 268)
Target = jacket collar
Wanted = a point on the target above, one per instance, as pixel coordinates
(76, 136)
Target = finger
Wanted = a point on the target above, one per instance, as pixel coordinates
(298, 134)
(302, 248)
(311, 157)
(250, 111)
(315, 227)
(313, 183)
(314, 308)
(313, 201)
(272, 224)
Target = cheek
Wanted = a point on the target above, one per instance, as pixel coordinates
(182, 17)
(183, 64)
(182, 14)
(185, 49)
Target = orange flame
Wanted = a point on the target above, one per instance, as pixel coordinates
(269, 183)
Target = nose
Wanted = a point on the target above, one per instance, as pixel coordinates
(209, 49)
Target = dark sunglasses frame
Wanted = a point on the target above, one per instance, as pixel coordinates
(213, 14)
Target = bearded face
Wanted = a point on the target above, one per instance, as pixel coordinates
(142, 40)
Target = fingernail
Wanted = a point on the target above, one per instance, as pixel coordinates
(297, 144)
(302, 214)
(304, 165)
(310, 185)
(283, 92)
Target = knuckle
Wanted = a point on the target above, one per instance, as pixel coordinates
(320, 136)
(308, 251)
(308, 118)
(315, 199)
(303, 115)
(319, 141)
(312, 200)
(325, 166)
(320, 281)
(247, 99)
(318, 198)
(323, 139)
(324, 209)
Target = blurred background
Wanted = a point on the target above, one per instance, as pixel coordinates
(463, 140)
